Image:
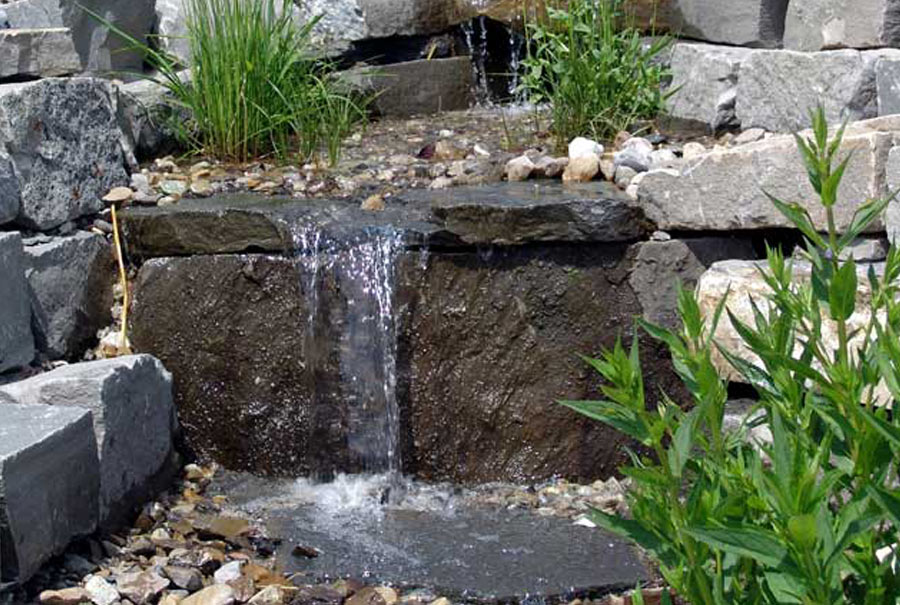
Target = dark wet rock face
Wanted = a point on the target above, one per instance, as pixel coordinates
(409, 332)
(490, 344)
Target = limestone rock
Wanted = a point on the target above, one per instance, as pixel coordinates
(71, 281)
(822, 24)
(741, 279)
(100, 591)
(100, 49)
(48, 484)
(16, 339)
(142, 586)
(66, 147)
(134, 419)
(582, 169)
(580, 147)
(37, 53)
(704, 84)
(777, 89)
(519, 169)
(723, 189)
(217, 594)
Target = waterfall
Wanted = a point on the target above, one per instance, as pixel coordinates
(357, 276)
(496, 51)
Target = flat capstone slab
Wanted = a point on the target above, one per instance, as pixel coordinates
(498, 214)
(49, 484)
(468, 553)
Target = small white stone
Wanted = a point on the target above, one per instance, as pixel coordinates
(580, 147)
(692, 150)
(519, 169)
(100, 591)
(750, 136)
(228, 572)
(479, 150)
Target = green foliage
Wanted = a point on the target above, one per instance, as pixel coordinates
(598, 76)
(800, 519)
(255, 88)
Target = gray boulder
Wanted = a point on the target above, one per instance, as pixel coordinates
(777, 89)
(48, 484)
(16, 340)
(37, 53)
(724, 189)
(71, 282)
(704, 83)
(821, 24)
(65, 145)
(658, 267)
(887, 85)
(134, 420)
(892, 215)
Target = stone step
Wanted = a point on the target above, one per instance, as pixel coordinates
(38, 53)
(134, 422)
(506, 213)
(48, 484)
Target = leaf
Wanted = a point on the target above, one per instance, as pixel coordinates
(798, 215)
(752, 542)
(634, 531)
(680, 450)
(842, 292)
(863, 217)
(802, 529)
(889, 501)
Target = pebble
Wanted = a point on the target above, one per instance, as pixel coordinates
(549, 168)
(100, 591)
(581, 147)
(635, 154)
(663, 158)
(118, 195)
(441, 182)
(141, 587)
(374, 203)
(581, 169)
(228, 572)
(692, 150)
(184, 577)
(751, 135)
(270, 595)
(66, 596)
(519, 169)
(445, 151)
(217, 594)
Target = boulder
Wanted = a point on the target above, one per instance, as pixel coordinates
(37, 53)
(66, 148)
(416, 87)
(823, 24)
(704, 84)
(756, 23)
(777, 89)
(48, 484)
(386, 18)
(71, 280)
(741, 280)
(887, 85)
(724, 189)
(33, 14)
(656, 269)
(145, 112)
(16, 340)
(134, 421)
(892, 215)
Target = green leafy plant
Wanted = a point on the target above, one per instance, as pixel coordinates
(254, 87)
(597, 74)
(811, 516)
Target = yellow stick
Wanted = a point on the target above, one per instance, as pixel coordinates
(123, 336)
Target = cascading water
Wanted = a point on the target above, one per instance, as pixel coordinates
(359, 271)
(496, 51)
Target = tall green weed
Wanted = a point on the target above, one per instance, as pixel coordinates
(255, 87)
(813, 516)
(597, 73)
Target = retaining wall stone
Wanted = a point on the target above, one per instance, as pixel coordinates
(16, 339)
(65, 146)
(37, 53)
(48, 484)
(724, 189)
(823, 24)
(71, 287)
(134, 421)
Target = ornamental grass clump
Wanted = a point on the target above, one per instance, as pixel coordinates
(813, 516)
(255, 87)
(594, 70)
